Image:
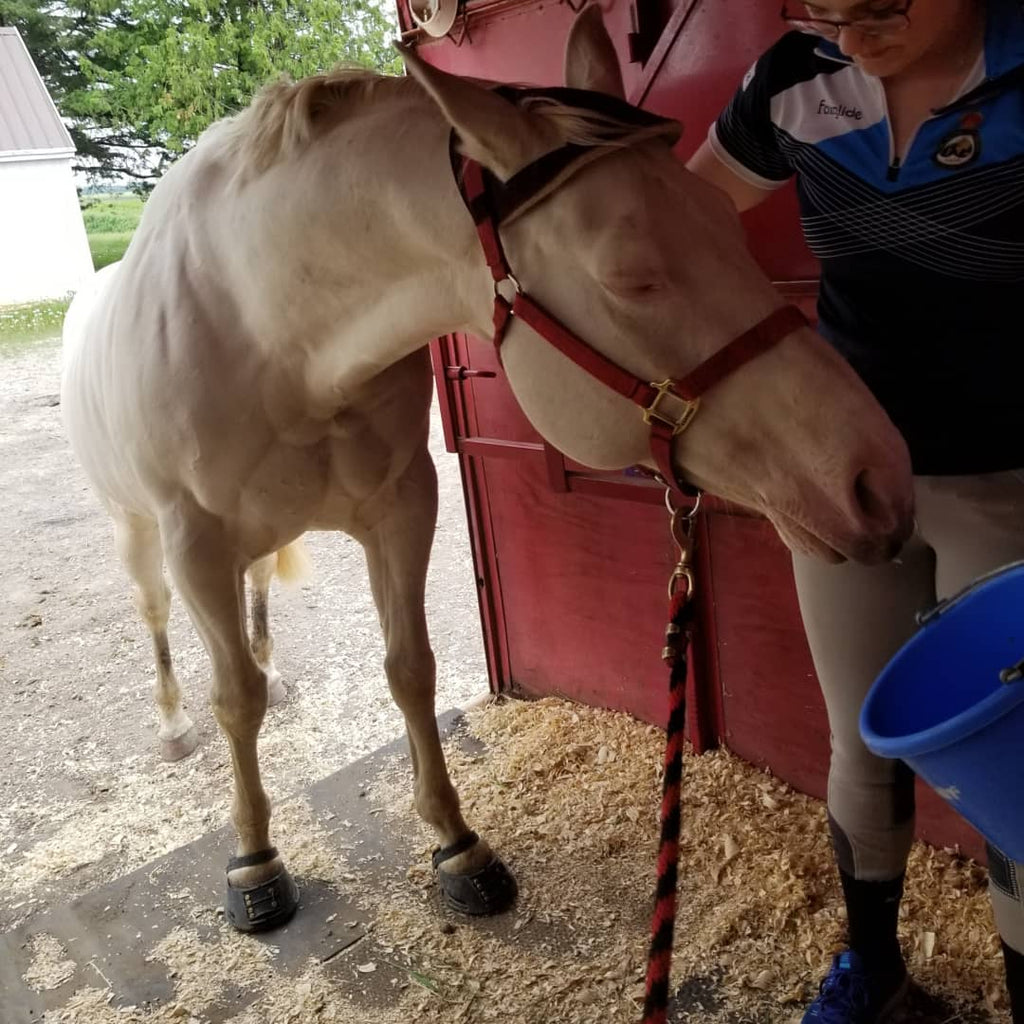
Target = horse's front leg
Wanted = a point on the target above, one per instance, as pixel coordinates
(472, 878)
(209, 572)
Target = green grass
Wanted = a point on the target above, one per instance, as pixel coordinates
(108, 247)
(110, 222)
(109, 214)
(22, 325)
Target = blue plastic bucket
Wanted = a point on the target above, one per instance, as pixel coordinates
(941, 706)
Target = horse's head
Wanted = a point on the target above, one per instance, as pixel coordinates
(648, 264)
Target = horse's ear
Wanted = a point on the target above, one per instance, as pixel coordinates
(491, 130)
(590, 58)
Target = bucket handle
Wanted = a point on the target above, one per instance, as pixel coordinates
(1014, 673)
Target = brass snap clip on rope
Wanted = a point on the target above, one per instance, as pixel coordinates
(681, 524)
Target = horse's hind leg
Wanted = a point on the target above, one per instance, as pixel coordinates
(472, 879)
(261, 573)
(138, 545)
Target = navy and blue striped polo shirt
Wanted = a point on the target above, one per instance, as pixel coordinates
(922, 261)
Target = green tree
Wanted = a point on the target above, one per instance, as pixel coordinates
(141, 79)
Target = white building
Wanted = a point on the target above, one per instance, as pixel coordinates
(44, 252)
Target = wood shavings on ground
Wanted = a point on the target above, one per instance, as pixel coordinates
(142, 813)
(204, 969)
(92, 1006)
(51, 966)
(760, 912)
(305, 844)
(314, 996)
(569, 796)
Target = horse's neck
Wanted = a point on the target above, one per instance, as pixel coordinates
(361, 253)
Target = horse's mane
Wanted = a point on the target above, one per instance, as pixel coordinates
(286, 115)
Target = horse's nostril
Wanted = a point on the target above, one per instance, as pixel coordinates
(868, 499)
(880, 503)
(894, 548)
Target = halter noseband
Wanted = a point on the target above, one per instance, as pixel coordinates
(668, 406)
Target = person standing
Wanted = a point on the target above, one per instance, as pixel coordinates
(903, 125)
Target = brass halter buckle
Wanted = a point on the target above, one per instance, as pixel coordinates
(654, 411)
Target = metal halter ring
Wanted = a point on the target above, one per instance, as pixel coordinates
(673, 511)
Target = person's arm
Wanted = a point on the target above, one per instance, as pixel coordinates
(741, 154)
(705, 164)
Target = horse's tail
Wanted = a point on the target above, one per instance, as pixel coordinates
(293, 564)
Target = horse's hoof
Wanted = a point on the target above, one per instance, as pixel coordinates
(258, 908)
(489, 890)
(181, 746)
(276, 690)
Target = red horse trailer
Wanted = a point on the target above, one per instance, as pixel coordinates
(571, 564)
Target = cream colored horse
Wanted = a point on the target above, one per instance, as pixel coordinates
(256, 368)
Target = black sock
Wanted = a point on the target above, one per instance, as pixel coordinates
(1015, 982)
(872, 910)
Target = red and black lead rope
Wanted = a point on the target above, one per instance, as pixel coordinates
(677, 639)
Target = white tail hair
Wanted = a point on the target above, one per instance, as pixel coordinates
(293, 563)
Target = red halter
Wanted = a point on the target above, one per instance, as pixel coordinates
(669, 406)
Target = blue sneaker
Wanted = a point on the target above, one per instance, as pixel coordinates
(849, 994)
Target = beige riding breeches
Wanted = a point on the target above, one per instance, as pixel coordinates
(856, 617)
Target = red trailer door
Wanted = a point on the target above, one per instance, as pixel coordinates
(572, 564)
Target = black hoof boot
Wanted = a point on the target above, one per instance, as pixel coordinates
(258, 908)
(489, 890)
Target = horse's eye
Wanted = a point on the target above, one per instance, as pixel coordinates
(630, 286)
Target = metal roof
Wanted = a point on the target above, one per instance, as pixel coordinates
(29, 122)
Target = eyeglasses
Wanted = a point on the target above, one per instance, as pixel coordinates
(881, 24)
